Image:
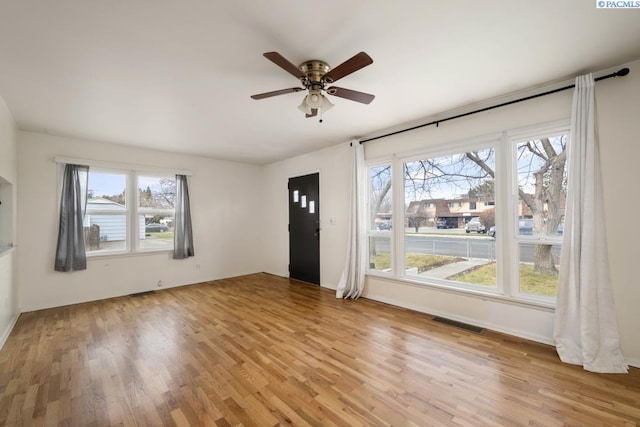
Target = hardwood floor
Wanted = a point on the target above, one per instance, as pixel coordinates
(264, 350)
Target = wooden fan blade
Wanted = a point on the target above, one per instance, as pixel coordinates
(353, 95)
(283, 63)
(349, 66)
(314, 112)
(276, 93)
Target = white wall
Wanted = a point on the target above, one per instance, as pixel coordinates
(8, 272)
(618, 103)
(618, 106)
(333, 166)
(225, 214)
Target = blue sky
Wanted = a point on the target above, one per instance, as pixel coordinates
(112, 184)
(106, 183)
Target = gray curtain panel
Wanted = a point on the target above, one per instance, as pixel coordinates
(183, 235)
(70, 253)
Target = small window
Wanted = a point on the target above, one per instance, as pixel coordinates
(120, 219)
(105, 221)
(156, 202)
(380, 218)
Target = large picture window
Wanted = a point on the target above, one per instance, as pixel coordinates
(483, 216)
(445, 236)
(128, 212)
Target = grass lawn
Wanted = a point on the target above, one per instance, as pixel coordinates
(420, 261)
(167, 235)
(530, 282)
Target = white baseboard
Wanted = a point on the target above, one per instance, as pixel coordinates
(494, 327)
(634, 363)
(7, 331)
(498, 328)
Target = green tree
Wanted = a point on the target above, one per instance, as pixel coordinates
(484, 190)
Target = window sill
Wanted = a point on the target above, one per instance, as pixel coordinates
(109, 255)
(473, 293)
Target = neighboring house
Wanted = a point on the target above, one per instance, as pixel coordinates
(111, 218)
(426, 213)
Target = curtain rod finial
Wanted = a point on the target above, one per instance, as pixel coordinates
(622, 72)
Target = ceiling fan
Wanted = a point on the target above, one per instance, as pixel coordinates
(314, 76)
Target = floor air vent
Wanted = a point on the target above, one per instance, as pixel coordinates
(141, 294)
(466, 327)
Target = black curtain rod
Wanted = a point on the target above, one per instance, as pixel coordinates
(620, 73)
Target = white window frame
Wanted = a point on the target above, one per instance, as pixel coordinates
(506, 198)
(127, 213)
(440, 150)
(373, 232)
(515, 238)
(145, 211)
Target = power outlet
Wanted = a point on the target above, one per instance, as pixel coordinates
(160, 283)
(197, 266)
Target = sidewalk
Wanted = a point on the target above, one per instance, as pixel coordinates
(453, 268)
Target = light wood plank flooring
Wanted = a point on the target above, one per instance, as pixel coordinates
(266, 351)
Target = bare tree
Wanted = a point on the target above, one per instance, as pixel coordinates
(380, 196)
(542, 169)
(380, 191)
(545, 162)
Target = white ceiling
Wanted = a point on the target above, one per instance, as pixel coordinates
(176, 75)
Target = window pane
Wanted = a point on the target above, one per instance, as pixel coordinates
(156, 198)
(449, 207)
(542, 186)
(155, 235)
(380, 253)
(105, 221)
(108, 187)
(538, 268)
(156, 192)
(380, 211)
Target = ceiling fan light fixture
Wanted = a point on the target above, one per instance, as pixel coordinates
(315, 100)
(304, 107)
(326, 104)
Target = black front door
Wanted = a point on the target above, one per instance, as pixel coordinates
(304, 228)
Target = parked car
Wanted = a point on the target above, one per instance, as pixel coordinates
(384, 224)
(525, 228)
(155, 228)
(475, 225)
(443, 223)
